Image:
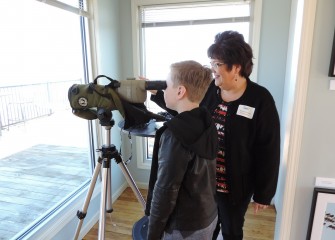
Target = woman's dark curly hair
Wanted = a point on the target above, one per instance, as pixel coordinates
(230, 47)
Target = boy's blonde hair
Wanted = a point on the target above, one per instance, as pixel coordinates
(195, 77)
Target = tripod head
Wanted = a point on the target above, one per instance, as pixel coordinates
(105, 117)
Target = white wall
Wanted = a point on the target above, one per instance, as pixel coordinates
(317, 157)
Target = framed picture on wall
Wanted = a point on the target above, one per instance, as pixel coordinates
(332, 60)
(322, 218)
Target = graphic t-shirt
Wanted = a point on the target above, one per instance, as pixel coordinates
(219, 118)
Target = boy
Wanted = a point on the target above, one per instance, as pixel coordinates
(181, 200)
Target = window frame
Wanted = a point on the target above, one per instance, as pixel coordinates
(48, 225)
(254, 38)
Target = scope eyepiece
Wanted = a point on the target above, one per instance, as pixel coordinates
(155, 85)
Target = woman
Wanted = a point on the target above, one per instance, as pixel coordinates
(248, 133)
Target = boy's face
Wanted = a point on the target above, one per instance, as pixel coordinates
(170, 93)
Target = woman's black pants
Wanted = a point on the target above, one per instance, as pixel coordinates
(231, 217)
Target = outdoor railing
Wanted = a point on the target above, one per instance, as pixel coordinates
(22, 103)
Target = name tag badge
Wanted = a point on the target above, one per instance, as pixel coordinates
(245, 111)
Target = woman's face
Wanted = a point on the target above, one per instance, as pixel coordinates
(224, 78)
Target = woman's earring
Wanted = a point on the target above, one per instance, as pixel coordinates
(235, 77)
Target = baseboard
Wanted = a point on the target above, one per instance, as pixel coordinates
(142, 185)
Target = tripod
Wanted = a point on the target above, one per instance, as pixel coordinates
(108, 152)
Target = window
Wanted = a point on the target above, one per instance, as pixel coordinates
(173, 32)
(45, 152)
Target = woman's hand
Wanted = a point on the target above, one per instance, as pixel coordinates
(258, 207)
(151, 91)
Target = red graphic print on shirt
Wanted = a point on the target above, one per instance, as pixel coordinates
(219, 118)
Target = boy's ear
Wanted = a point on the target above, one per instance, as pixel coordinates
(181, 92)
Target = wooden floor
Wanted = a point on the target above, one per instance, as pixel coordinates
(127, 210)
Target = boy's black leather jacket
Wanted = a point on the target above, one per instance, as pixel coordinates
(182, 184)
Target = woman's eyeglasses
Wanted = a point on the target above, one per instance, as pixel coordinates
(216, 65)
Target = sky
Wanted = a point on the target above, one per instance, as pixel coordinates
(38, 43)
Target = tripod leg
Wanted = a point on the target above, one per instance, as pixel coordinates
(82, 214)
(102, 221)
(109, 208)
(130, 181)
